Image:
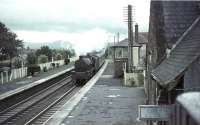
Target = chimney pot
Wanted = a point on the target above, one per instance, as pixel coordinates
(136, 33)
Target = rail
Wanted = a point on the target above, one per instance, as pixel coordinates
(23, 111)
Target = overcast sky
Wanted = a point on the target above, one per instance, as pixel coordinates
(87, 24)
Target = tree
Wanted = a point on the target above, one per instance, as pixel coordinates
(69, 53)
(32, 64)
(3, 34)
(42, 59)
(64, 53)
(44, 50)
(9, 44)
(58, 56)
(31, 59)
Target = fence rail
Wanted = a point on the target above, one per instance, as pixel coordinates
(7, 76)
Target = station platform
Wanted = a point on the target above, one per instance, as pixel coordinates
(102, 101)
(17, 85)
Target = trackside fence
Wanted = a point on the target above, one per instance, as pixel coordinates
(6, 76)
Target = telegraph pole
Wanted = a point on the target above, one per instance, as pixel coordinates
(130, 37)
(129, 13)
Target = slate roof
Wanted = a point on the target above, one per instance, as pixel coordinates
(124, 43)
(186, 51)
(143, 38)
(177, 18)
(175, 25)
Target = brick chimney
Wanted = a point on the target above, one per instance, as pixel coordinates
(136, 33)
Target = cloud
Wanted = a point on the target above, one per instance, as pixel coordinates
(82, 22)
(61, 15)
(68, 26)
(68, 15)
(94, 39)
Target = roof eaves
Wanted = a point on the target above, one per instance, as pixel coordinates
(171, 83)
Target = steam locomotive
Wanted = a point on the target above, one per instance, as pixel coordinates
(86, 66)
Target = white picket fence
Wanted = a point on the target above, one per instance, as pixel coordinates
(18, 73)
(49, 66)
(22, 72)
(73, 59)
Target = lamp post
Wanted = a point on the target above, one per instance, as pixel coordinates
(114, 48)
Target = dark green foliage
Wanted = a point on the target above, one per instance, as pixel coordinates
(64, 53)
(45, 50)
(9, 44)
(45, 69)
(42, 59)
(58, 56)
(53, 65)
(106, 53)
(69, 53)
(57, 65)
(31, 59)
(32, 69)
(67, 61)
(17, 62)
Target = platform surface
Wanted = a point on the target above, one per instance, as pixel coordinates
(15, 85)
(106, 103)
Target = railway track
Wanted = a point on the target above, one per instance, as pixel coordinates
(45, 114)
(40, 106)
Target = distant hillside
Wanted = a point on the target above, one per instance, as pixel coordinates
(53, 45)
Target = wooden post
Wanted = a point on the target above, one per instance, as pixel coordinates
(6, 76)
(11, 74)
(2, 77)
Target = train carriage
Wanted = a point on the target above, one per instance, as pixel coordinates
(86, 67)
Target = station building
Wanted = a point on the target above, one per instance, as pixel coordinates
(173, 59)
(120, 49)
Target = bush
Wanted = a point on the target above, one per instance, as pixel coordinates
(45, 69)
(31, 59)
(42, 59)
(67, 61)
(57, 65)
(53, 65)
(58, 57)
(32, 69)
(17, 62)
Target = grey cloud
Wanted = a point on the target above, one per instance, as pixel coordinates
(24, 18)
(68, 26)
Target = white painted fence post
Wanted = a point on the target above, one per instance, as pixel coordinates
(6, 76)
(20, 73)
(11, 75)
(15, 73)
(26, 71)
(2, 77)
